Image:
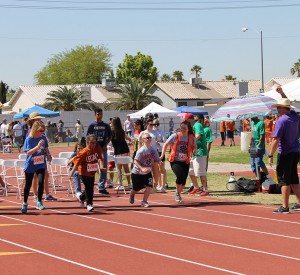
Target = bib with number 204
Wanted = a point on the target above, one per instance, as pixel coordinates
(92, 167)
(182, 156)
(38, 160)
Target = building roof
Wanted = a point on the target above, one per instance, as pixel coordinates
(38, 93)
(183, 90)
(214, 89)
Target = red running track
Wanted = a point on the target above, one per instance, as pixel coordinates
(202, 235)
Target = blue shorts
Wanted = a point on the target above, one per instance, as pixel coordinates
(260, 162)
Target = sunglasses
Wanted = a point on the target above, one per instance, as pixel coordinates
(148, 138)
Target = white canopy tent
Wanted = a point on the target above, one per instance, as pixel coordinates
(292, 91)
(154, 108)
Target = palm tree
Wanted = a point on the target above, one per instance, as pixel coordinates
(178, 75)
(135, 96)
(165, 77)
(296, 68)
(197, 70)
(68, 99)
(230, 77)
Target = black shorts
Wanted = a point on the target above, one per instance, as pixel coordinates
(141, 181)
(181, 170)
(163, 159)
(223, 135)
(229, 134)
(287, 170)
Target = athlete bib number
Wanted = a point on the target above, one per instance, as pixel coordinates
(92, 167)
(38, 160)
(182, 156)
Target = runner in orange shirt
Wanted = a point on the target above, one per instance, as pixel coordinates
(246, 125)
(230, 124)
(268, 129)
(223, 132)
(86, 162)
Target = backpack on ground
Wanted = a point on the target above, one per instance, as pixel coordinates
(246, 185)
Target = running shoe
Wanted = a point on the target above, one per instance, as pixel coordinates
(89, 208)
(189, 190)
(296, 207)
(195, 191)
(131, 199)
(119, 188)
(24, 208)
(103, 192)
(40, 206)
(282, 210)
(77, 195)
(129, 186)
(163, 190)
(203, 193)
(178, 198)
(145, 204)
(49, 197)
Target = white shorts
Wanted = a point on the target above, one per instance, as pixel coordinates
(198, 166)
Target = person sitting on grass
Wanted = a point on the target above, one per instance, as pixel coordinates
(141, 174)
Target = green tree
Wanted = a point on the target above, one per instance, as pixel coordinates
(67, 99)
(135, 96)
(3, 91)
(178, 75)
(296, 68)
(196, 69)
(229, 77)
(83, 64)
(165, 77)
(139, 66)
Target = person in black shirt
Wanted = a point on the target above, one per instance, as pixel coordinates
(102, 132)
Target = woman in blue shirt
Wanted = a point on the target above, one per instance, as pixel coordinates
(35, 146)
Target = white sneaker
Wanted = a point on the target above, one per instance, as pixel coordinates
(158, 188)
(77, 195)
(90, 208)
(145, 204)
(163, 190)
(119, 188)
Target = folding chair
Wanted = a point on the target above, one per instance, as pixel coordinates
(59, 172)
(123, 160)
(66, 155)
(19, 169)
(8, 172)
(6, 145)
(22, 156)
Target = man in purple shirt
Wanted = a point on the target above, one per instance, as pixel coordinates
(285, 138)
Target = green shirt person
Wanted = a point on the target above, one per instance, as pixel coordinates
(201, 142)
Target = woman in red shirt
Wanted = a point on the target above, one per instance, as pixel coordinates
(86, 162)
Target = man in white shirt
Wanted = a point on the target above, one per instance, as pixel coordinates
(128, 126)
(18, 135)
(3, 126)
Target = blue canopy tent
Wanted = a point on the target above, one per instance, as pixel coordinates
(194, 111)
(42, 111)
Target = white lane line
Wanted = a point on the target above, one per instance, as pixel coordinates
(56, 257)
(172, 234)
(123, 245)
(223, 212)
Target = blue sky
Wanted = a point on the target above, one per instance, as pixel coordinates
(176, 39)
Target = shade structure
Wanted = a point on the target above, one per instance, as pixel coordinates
(154, 108)
(42, 111)
(187, 109)
(244, 107)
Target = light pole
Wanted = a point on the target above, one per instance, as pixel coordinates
(261, 57)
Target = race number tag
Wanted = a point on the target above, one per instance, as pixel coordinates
(182, 156)
(92, 167)
(38, 160)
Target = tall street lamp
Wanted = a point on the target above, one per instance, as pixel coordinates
(261, 57)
